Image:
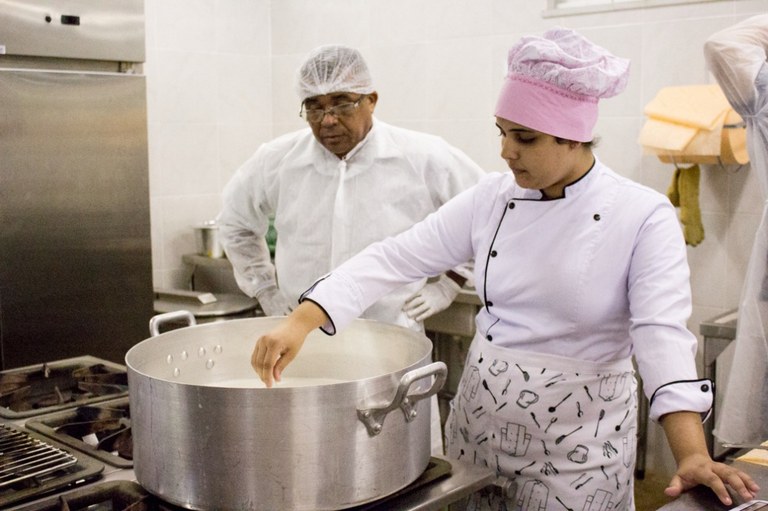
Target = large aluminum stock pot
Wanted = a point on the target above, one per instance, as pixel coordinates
(348, 424)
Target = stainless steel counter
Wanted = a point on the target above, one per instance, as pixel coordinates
(717, 334)
(704, 499)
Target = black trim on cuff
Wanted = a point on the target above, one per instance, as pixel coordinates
(303, 295)
(711, 387)
(326, 332)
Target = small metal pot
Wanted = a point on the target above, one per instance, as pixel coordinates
(349, 424)
(207, 240)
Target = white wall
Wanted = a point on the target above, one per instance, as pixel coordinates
(220, 81)
(209, 105)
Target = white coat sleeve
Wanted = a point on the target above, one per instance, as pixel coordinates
(461, 173)
(660, 305)
(243, 224)
(432, 246)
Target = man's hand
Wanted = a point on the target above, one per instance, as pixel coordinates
(273, 302)
(432, 298)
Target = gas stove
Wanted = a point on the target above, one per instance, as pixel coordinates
(90, 430)
(443, 483)
(32, 464)
(43, 388)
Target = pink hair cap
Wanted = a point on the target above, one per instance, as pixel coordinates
(554, 83)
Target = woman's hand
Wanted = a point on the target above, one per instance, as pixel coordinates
(694, 465)
(701, 469)
(277, 348)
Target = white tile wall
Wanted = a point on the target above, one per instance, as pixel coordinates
(220, 82)
(209, 88)
(300, 25)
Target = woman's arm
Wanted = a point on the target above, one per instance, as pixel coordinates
(694, 465)
(430, 247)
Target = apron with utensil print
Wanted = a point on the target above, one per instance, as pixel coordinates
(563, 430)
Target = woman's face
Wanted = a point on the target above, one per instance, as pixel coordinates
(538, 161)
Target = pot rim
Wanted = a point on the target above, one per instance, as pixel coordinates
(139, 367)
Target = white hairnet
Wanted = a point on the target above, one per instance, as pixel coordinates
(333, 68)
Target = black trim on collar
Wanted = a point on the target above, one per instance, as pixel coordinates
(565, 188)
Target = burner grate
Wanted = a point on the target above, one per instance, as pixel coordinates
(101, 430)
(107, 496)
(39, 389)
(32, 466)
(22, 457)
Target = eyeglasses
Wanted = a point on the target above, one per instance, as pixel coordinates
(314, 115)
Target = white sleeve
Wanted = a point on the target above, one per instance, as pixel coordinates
(689, 396)
(243, 224)
(429, 248)
(660, 305)
(463, 173)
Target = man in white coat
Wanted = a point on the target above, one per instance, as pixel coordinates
(333, 188)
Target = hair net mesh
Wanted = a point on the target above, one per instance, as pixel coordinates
(333, 68)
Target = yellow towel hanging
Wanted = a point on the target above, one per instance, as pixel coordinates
(683, 192)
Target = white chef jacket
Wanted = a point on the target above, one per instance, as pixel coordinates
(327, 209)
(600, 274)
(738, 59)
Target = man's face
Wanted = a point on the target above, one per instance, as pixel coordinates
(341, 129)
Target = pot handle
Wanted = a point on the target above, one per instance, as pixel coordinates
(166, 317)
(373, 417)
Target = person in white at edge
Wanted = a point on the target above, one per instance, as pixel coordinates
(334, 188)
(738, 58)
(547, 396)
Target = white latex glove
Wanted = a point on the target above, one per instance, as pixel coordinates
(273, 302)
(432, 298)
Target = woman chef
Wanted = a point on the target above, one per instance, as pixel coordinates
(578, 269)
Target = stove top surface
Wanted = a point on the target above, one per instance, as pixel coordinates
(101, 430)
(94, 427)
(108, 496)
(52, 386)
(124, 495)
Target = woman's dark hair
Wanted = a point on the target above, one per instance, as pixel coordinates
(589, 145)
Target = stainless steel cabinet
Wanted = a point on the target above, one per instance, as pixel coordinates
(75, 249)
